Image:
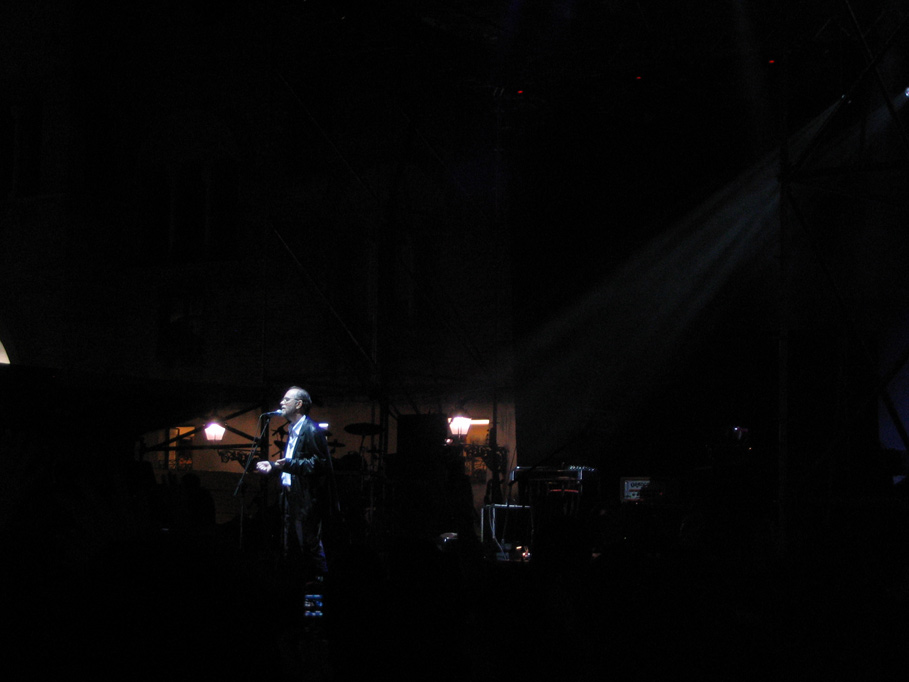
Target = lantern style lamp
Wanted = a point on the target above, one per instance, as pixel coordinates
(459, 425)
(214, 432)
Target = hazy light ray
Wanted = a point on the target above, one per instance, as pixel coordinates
(615, 344)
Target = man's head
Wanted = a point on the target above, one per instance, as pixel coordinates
(295, 403)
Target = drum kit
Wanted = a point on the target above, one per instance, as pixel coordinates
(364, 430)
(357, 475)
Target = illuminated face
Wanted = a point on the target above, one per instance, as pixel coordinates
(291, 404)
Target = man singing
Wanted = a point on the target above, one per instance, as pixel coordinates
(303, 471)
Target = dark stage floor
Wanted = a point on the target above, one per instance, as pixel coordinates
(190, 603)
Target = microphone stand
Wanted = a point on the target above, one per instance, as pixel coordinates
(262, 438)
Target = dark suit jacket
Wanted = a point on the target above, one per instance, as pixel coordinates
(309, 467)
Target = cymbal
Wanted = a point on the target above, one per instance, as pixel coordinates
(363, 429)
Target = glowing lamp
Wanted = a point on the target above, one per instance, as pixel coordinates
(214, 432)
(459, 425)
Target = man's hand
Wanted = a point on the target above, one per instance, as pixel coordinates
(264, 467)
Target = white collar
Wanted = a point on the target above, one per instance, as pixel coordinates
(298, 426)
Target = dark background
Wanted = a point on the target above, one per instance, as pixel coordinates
(698, 212)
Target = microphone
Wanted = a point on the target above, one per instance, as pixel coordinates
(274, 413)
